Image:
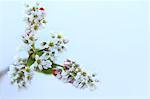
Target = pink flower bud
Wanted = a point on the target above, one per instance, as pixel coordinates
(56, 71)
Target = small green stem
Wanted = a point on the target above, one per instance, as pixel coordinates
(58, 65)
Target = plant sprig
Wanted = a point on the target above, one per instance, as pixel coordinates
(43, 59)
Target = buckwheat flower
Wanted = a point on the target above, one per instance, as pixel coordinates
(58, 42)
(41, 62)
(53, 55)
(73, 74)
(42, 9)
(56, 71)
(35, 18)
(50, 49)
(41, 26)
(44, 45)
(28, 73)
(28, 12)
(29, 38)
(36, 21)
(20, 75)
(49, 52)
(35, 13)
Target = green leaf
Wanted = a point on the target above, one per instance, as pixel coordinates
(47, 71)
(31, 60)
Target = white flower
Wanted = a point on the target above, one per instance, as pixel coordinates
(76, 83)
(20, 75)
(29, 38)
(41, 62)
(44, 45)
(35, 19)
(28, 12)
(34, 13)
(74, 75)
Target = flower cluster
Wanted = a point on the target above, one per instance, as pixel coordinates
(43, 59)
(35, 20)
(20, 74)
(54, 46)
(21, 71)
(72, 73)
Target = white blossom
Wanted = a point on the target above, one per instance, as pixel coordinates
(20, 75)
(74, 75)
(41, 62)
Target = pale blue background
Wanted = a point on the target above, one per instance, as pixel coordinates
(109, 38)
